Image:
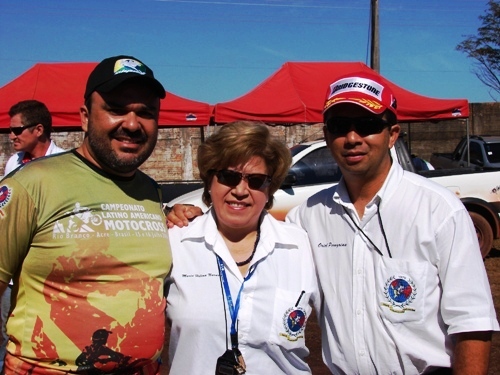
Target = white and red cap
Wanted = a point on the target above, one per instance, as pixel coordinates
(363, 89)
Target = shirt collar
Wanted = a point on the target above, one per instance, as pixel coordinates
(204, 228)
(390, 185)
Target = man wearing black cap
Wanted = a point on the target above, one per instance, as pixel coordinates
(122, 97)
(405, 288)
(85, 239)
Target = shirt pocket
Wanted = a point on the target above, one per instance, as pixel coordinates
(290, 313)
(401, 289)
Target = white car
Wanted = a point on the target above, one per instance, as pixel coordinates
(313, 169)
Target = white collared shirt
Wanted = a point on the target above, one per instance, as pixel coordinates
(386, 315)
(16, 160)
(270, 340)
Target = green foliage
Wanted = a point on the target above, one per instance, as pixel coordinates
(484, 47)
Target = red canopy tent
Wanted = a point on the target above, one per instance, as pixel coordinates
(61, 86)
(296, 94)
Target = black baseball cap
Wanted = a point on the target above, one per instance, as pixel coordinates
(113, 71)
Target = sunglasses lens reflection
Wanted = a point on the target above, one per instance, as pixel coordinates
(364, 126)
(256, 181)
(17, 130)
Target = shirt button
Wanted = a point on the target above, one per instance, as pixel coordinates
(358, 312)
(361, 353)
(360, 271)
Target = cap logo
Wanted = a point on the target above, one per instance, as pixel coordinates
(129, 66)
(369, 103)
(362, 85)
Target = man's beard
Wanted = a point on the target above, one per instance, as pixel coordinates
(106, 156)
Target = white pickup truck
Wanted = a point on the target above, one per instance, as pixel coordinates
(313, 169)
(483, 151)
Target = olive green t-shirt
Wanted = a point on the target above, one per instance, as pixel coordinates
(88, 254)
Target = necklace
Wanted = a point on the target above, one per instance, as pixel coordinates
(246, 261)
(381, 227)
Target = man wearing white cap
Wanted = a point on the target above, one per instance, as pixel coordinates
(405, 288)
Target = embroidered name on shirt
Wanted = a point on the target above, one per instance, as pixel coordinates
(200, 275)
(330, 244)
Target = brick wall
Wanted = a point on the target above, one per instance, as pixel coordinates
(427, 137)
(174, 158)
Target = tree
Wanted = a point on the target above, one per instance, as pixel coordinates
(485, 47)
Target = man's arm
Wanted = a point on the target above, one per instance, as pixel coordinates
(471, 355)
(180, 215)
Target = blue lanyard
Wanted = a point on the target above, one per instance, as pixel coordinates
(233, 309)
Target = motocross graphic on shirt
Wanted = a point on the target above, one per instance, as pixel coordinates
(88, 254)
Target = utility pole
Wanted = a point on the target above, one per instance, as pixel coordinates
(374, 43)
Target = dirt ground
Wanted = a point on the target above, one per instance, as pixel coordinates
(492, 263)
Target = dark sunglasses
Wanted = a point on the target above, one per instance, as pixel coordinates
(364, 126)
(256, 181)
(17, 130)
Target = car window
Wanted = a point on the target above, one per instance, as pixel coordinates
(316, 167)
(297, 148)
(493, 152)
(476, 153)
(460, 150)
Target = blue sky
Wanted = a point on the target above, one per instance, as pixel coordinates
(218, 50)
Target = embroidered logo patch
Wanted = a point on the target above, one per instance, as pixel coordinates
(129, 66)
(5, 194)
(400, 292)
(191, 117)
(294, 322)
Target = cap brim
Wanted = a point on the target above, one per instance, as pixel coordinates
(372, 106)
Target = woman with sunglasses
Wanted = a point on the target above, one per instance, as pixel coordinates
(242, 284)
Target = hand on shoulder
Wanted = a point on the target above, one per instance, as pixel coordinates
(181, 214)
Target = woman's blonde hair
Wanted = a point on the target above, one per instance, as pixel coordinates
(234, 144)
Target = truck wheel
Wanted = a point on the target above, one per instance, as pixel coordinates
(484, 233)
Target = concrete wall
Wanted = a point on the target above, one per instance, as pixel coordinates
(174, 158)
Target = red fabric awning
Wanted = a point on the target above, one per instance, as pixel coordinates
(61, 86)
(296, 94)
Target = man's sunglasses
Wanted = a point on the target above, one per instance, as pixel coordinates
(256, 181)
(17, 130)
(364, 126)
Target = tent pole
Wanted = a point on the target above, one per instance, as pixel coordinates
(468, 144)
(202, 134)
(409, 137)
